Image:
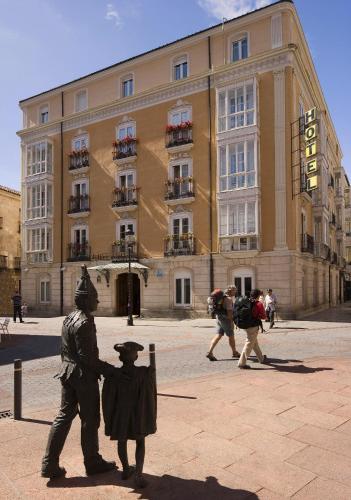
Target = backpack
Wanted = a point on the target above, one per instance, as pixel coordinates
(215, 303)
(242, 313)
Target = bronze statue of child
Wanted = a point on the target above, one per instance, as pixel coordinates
(129, 404)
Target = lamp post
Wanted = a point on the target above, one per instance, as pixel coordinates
(129, 238)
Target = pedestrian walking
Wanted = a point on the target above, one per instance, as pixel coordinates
(223, 311)
(270, 306)
(17, 306)
(247, 313)
(261, 299)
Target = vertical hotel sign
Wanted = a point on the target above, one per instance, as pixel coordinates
(311, 148)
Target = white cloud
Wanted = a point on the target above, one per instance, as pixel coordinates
(113, 15)
(231, 8)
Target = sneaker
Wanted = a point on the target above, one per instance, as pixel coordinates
(236, 354)
(245, 367)
(100, 467)
(211, 357)
(53, 473)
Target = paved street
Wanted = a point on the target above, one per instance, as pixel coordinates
(273, 432)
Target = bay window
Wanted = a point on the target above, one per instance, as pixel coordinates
(238, 218)
(237, 166)
(236, 107)
(39, 158)
(39, 201)
(39, 244)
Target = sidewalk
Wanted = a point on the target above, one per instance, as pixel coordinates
(280, 431)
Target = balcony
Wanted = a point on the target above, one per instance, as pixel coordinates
(78, 206)
(78, 160)
(239, 243)
(17, 263)
(321, 251)
(341, 262)
(124, 150)
(78, 252)
(39, 257)
(125, 199)
(179, 137)
(181, 188)
(183, 244)
(120, 251)
(3, 262)
(333, 258)
(307, 243)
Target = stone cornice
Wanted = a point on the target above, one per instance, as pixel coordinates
(232, 72)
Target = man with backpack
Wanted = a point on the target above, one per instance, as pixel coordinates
(247, 315)
(221, 307)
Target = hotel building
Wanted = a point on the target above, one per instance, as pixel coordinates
(219, 153)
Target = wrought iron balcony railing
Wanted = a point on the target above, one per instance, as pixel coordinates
(180, 187)
(124, 148)
(3, 262)
(79, 204)
(321, 250)
(183, 244)
(78, 159)
(307, 243)
(124, 197)
(120, 251)
(17, 263)
(177, 135)
(79, 251)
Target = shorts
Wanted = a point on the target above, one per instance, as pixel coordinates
(224, 326)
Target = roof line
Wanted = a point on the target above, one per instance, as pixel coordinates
(154, 50)
(10, 190)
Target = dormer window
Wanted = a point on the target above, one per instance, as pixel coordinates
(81, 101)
(240, 49)
(180, 68)
(44, 114)
(127, 86)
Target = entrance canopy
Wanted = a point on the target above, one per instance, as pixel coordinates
(105, 269)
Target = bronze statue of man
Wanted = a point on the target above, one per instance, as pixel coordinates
(79, 374)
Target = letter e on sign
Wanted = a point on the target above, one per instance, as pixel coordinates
(311, 166)
(310, 116)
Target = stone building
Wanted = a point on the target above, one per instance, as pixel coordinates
(217, 151)
(10, 247)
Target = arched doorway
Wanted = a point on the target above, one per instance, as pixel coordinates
(122, 294)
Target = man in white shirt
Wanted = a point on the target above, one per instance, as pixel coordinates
(270, 303)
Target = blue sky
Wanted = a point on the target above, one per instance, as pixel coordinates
(44, 43)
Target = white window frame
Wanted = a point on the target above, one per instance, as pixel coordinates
(246, 172)
(81, 181)
(121, 173)
(225, 206)
(47, 291)
(226, 116)
(182, 275)
(125, 222)
(80, 138)
(179, 110)
(44, 166)
(41, 108)
(123, 80)
(126, 125)
(79, 227)
(44, 209)
(181, 215)
(76, 100)
(180, 162)
(42, 253)
(238, 37)
(242, 273)
(180, 60)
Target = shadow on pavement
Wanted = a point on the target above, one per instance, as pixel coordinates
(28, 347)
(297, 368)
(36, 421)
(166, 486)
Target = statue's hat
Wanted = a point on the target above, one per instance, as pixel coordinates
(128, 347)
(85, 286)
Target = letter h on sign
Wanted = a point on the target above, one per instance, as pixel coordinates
(310, 116)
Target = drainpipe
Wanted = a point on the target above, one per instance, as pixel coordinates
(61, 214)
(329, 289)
(210, 162)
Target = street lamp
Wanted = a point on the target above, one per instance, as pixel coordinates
(130, 239)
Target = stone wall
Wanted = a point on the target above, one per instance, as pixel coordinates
(9, 282)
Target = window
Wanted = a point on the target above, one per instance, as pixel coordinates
(180, 116)
(39, 244)
(80, 188)
(39, 158)
(80, 143)
(180, 225)
(126, 179)
(39, 201)
(80, 235)
(237, 166)
(81, 101)
(124, 226)
(45, 292)
(238, 218)
(244, 281)
(44, 114)
(236, 107)
(180, 176)
(183, 289)
(240, 49)
(126, 130)
(127, 86)
(180, 68)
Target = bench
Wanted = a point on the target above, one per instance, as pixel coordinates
(4, 327)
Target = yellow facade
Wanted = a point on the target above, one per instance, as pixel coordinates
(10, 246)
(224, 202)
